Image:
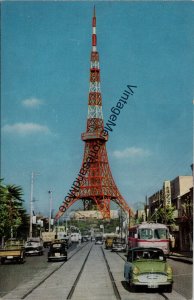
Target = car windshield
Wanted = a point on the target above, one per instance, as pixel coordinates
(148, 254)
(119, 240)
(31, 243)
(56, 245)
(99, 238)
(30, 248)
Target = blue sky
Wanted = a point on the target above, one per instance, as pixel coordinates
(44, 93)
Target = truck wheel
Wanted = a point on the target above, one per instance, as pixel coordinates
(21, 260)
(2, 261)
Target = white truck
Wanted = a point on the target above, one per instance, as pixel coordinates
(75, 237)
(63, 236)
(48, 238)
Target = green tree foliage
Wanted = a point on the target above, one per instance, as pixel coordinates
(12, 212)
(85, 225)
(165, 215)
(187, 210)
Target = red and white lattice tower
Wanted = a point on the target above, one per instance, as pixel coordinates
(97, 187)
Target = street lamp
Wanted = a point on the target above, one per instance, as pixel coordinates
(31, 201)
(50, 210)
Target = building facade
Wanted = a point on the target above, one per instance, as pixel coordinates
(175, 196)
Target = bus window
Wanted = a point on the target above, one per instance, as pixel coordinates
(132, 233)
(160, 233)
(145, 234)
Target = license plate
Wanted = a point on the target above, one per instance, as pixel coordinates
(152, 285)
(57, 254)
(9, 256)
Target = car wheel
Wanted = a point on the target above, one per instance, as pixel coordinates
(168, 289)
(2, 261)
(132, 288)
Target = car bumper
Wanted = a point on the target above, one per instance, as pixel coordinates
(62, 257)
(152, 284)
(118, 249)
(33, 252)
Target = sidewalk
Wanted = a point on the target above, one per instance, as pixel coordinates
(186, 257)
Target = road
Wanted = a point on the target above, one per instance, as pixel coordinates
(92, 283)
(12, 274)
(182, 278)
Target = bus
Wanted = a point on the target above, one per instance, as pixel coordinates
(149, 235)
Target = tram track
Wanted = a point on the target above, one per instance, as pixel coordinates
(78, 276)
(115, 289)
(55, 270)
(94, 271)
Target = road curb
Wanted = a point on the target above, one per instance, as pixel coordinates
(186, 260)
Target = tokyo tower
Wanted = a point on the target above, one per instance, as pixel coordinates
(94, 184)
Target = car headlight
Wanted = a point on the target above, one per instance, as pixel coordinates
(169, 271)
(135, 271)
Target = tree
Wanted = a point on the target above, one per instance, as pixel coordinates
(165, 215)
(11, 209)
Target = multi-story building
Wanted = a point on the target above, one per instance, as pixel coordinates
(177, 193)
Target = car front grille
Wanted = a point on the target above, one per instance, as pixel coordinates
(150, 277)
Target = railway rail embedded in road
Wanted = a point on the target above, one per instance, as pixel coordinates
(45, 278)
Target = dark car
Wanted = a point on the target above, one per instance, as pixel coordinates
(84, 239)
(99, 240)
(57, 251)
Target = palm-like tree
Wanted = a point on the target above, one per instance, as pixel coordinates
(10, 208)
(166, 215)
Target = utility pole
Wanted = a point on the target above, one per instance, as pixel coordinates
(50, 210)
(66, 224)
(146, 205)
(31, 200)
(121, 223)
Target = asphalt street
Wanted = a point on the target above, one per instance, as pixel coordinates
(94, 282)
